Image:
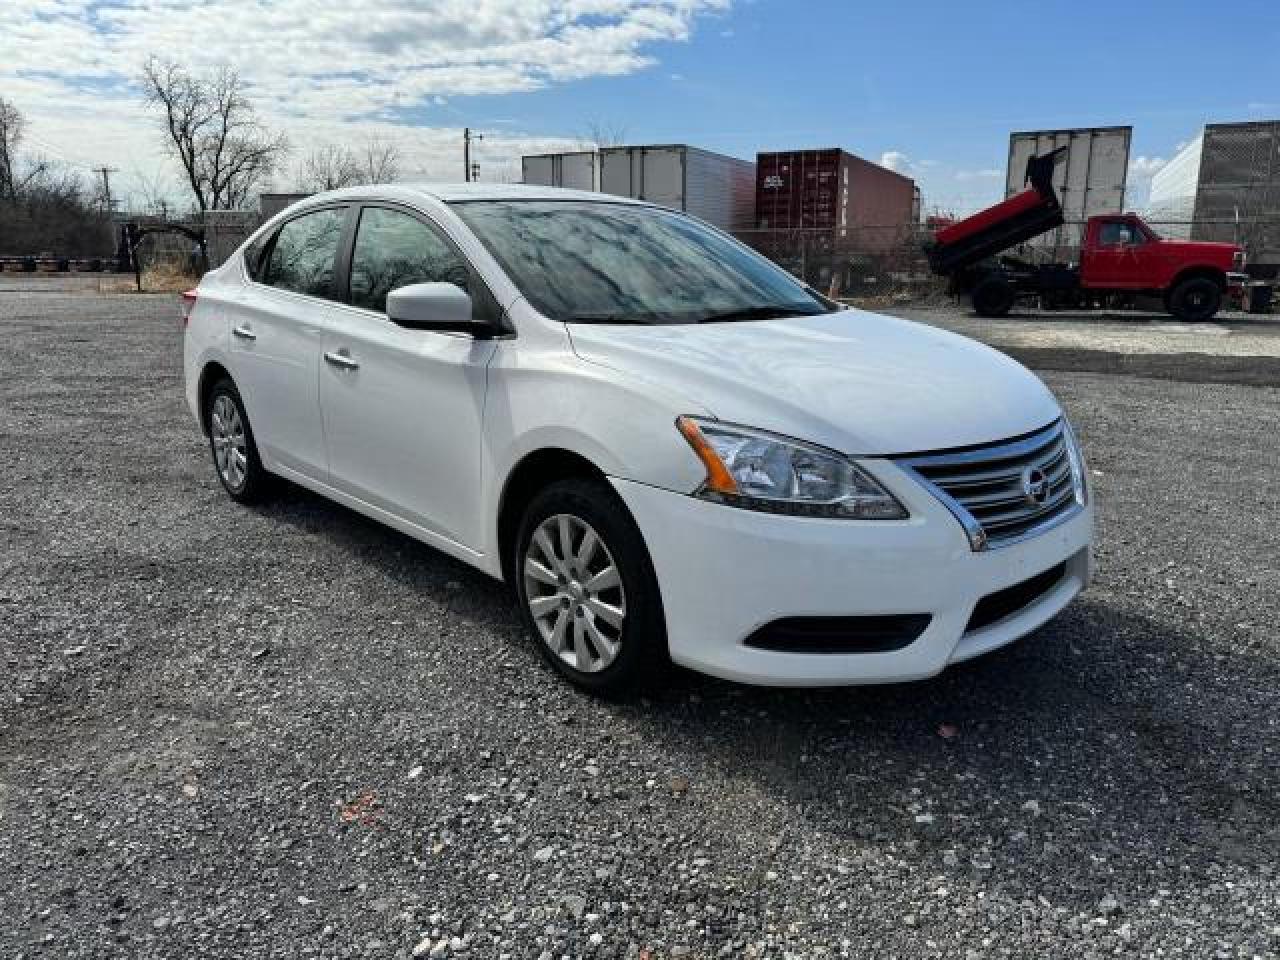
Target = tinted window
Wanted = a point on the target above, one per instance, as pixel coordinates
(593, 262)
(302, 257)
(393, 250)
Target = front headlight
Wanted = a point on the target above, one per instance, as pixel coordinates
(759, 471)
(1079, 477)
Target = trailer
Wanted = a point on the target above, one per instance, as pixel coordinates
(712, 186)
(1120, 257)
(575, 170)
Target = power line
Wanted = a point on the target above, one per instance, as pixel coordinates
(472, 170)
(107, 204)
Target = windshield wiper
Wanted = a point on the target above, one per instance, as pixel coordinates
(606, 318)
(762, 312)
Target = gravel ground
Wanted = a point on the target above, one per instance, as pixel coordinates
(1237, 348)
(289, 732)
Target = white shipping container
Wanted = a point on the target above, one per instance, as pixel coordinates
(1090, 180)
(575, 171)
(711, 186)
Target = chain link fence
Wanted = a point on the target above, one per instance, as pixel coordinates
(879, 262)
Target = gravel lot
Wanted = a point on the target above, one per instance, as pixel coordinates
(289, 732)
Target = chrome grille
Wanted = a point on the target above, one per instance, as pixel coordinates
(994, 489)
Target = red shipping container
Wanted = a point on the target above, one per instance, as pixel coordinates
(867, 205)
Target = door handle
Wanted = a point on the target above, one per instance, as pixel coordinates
(244, 333)
(341, 360)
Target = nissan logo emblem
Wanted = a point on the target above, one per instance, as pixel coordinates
(1035, 486)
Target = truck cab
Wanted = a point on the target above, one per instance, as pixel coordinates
(1123, 253)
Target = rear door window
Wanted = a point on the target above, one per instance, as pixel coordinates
(303, 255)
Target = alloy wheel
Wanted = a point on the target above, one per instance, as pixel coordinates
(574, 592)
(230, 446)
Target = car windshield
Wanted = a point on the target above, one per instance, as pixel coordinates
(601, 262)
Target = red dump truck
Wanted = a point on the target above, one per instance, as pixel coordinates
(1120, 256)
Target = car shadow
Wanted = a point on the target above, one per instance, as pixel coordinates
(1108, 746)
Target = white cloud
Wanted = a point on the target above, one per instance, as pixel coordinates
(989, 173)
(1144, 168)
(320, 69)
(896, 160)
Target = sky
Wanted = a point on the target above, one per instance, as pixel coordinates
(932, 89)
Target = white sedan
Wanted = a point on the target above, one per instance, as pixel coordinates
(667, 445)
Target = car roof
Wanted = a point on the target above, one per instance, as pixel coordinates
(452, 192)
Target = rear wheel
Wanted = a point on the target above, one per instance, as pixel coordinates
(235, 455)
(586, 586)
(1195, 299)
(993, 298)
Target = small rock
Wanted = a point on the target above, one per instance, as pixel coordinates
(575, 904)
(74, 651)
(1109, 906)
(1032, 807)
(543, 854)
(440, 949)
(679, 785)
(423, 947)
(924, 818)
(190, 789)
(259, 652)
(416, 772)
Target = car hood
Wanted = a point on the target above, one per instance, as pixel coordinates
(857, 382)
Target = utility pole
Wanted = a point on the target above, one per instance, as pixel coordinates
(106, 187)
(471, 170)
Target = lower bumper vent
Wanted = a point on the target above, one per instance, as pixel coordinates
(1002, 603)
(840, 634)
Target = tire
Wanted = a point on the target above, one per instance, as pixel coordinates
(607, 639)
(993, 298)
(1195, 299)
(231, 444)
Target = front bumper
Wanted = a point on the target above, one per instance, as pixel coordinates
(724, 572)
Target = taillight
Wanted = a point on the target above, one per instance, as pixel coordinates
(188, 304)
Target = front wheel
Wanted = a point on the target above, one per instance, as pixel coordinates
(1195, 299)
(587, 589)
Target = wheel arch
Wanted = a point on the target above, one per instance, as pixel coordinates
(534, 471)
(1190, 273)
(211, 373)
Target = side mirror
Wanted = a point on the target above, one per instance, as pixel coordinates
(433, 306)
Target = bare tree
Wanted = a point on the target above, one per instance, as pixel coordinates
(214, 133)
(12, 126)
(328, 168)
(381, 162)
(154, 190)
(605, 134)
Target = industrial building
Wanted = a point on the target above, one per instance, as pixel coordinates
(1225, 185)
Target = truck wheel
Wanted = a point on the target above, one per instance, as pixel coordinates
(1195, 299)
(993, 298)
